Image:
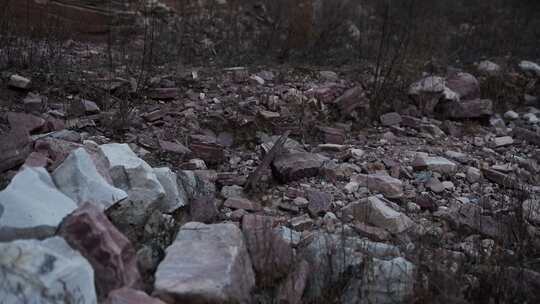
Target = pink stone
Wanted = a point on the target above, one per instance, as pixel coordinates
(28, 122)
(14, 148)
(109, 252)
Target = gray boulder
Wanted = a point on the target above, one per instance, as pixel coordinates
(132, 174)
(31, 206)
(78, 178)
(46, 272)
(428, 91)
(175, 195)
(206, 264)
(434, 163)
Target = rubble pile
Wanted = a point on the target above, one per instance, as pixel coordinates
(240, 186)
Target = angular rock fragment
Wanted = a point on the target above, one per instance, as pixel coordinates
(352, 99)
(173, 147)
(47, 271)
(210, 151)
(489, 68)
(371, 232)
(427, 93)
(175, 195)
(111, 254)
(435, 164)
(132, 174)
(502, 141)
(295, 166)
(78, 178)
(301, 223)
(27, 122)
(81, 107)
(501, 178)
(376, 212)
(465, 85)
(319, 202)
(19, 82)
(242, 203)
(34, 102)
(385, 184)
(32, 206)
(15, 146)
(471, 217)
(332, 135)
(206, 264)
(390, 119)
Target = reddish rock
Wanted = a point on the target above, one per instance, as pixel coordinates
(203, 210)
(352, 99)
(173, 147)
(130, 296)
(295, 166)
(56, 149)
(371, 232)
(501, 179)
(332, 135)
(242, 203)
(109, 252)
(271, 256)
(426, 202)
(210, 152)
(36, 159)
(465, 85)
(153, 115)
(14, 148)
(27, 122)
(319, 202)
(54, 124)
(292, 289)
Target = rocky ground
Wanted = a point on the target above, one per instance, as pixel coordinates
(262, 186)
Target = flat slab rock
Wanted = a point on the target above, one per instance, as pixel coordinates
(295, 166)
(385, 184)
(32, 206)
(111, 254)
(434, 163)
(206, 264)
(78, 178)
(44, 272)
(376, 212)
